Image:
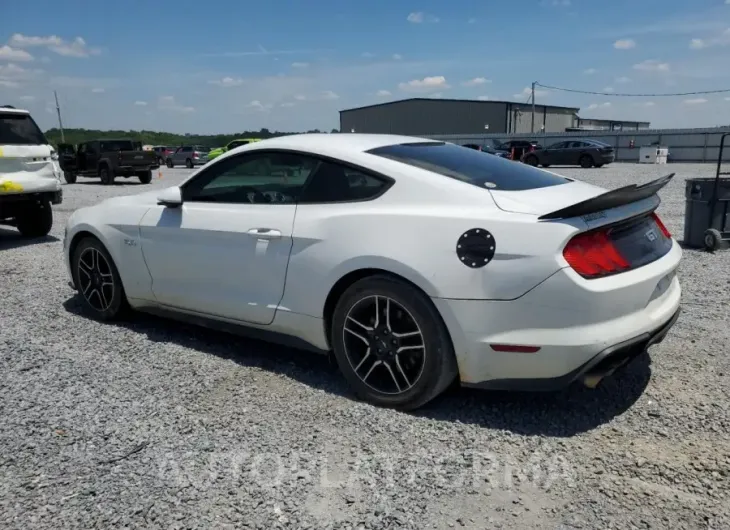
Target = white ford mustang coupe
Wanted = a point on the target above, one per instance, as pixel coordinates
(416, 262)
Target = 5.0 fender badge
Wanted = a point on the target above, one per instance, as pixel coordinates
(475, 248)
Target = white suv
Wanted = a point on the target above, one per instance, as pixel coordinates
(29, 176)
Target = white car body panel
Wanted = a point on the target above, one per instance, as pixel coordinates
(199, 259)
(29, 166)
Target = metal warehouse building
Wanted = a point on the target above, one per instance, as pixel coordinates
(425, 116)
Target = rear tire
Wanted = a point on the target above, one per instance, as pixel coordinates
(189, 164)
(36, 220)
(69, 177)
(106, 175)
(531, 160)
(586, 161)
(397, 372)
(169, 163)
(712, 239)
(145, 177)
(97, 279)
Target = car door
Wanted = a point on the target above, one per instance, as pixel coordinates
(224, 252)
(93, 153)
(551, 154)
(573, 153)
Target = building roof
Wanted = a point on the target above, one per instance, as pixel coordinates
(607, 120)
(574, 109)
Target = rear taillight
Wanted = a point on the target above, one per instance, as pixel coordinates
(661, 225)
(196, 155)
(593, 254)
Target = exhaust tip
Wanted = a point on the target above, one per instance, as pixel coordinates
(592, 380)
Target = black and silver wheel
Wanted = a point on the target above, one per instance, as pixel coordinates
(586, 161)
(712, 239)
(189, 164)
(97, 280)
(391, 344)
(531, 160)
(36, 219)
(106, 175)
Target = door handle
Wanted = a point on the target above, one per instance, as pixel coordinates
(264, 233)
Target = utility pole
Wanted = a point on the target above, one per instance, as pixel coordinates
(58, 111)
(532, 128)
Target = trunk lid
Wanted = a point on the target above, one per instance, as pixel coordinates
(595, 205)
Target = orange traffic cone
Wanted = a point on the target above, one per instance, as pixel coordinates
(159, 173)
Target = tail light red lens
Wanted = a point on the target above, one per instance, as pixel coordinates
(593, 254)
(661, 225)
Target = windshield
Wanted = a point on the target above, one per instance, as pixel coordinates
(117, 145)
(474, 167)
(202, 148)
(20, 129)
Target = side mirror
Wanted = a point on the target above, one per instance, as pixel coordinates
(170, 197)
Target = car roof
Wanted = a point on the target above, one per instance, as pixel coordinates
(6, 110)
(338, 141)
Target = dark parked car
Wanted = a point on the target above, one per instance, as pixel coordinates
(489, 149)
(520, 147)
(107, 159)
(584, 153)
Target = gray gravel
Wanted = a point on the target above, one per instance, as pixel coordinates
(155, 424)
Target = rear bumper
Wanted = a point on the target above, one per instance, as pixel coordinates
(606, 159)
(133, 170)
(602, 365)
(575, 323)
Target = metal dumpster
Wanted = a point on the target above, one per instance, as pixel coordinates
(702, 212)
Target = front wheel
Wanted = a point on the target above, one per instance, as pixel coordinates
(69, 177)
(189, 164)
(391, 344)
(145, 177)
(36, 219)
(169, 163)
(531, 160)
(106, 176)
(97, 280)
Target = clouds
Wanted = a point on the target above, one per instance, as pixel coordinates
(721, 39)
(426, 84)
(8, 53)
(695, 101)
(590, 71)
(227, 82)
(594, 106)
(527, 92)
(624, 44)
(383, 93)
(140, 103)
(170, 104)
(477, 81)
(651, 65)
(77, 47)
(419, 17)
(300, 65)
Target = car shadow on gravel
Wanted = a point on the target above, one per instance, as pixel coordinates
(10, 239)
(559, 414)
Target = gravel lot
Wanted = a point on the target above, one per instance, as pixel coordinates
(151, 423)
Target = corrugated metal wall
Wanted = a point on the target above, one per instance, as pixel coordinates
(685, 145)
(420, 117)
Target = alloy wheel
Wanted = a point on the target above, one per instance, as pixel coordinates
(96, 280)
(384, 345)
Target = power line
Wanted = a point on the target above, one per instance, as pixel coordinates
(619, 94)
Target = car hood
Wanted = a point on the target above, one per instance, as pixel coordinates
(544, 200)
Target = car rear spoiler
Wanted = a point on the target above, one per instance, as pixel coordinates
(610, 199)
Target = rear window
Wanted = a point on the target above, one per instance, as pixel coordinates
(474, 167)
(117, 145)
(20, 129)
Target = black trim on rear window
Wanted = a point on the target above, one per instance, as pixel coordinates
(20, 129)
(478, 168)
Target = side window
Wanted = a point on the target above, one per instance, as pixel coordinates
(335, 183)
(559, 145)
(187, 149)
(256, 178)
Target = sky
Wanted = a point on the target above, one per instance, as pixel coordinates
(228, 66)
